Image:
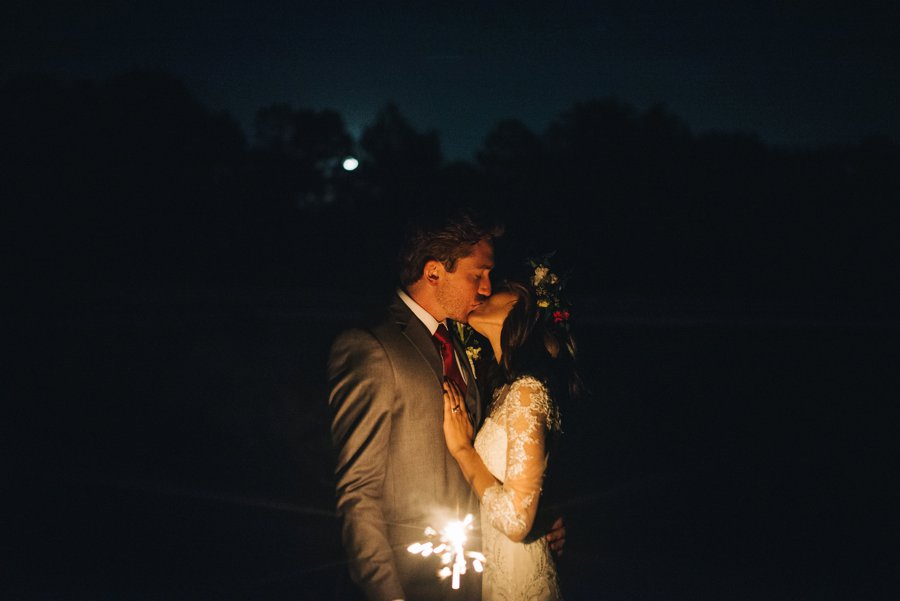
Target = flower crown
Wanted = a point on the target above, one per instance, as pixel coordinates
(548, 288)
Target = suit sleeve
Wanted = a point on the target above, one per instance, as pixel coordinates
(361, 397)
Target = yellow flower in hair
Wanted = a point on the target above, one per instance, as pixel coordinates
(547, 287)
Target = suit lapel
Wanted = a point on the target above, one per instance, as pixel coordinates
(416, 332)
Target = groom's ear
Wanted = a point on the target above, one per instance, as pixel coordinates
(433, 271)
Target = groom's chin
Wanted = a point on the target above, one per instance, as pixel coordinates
(460, 318)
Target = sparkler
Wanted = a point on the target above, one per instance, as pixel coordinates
(451, 549)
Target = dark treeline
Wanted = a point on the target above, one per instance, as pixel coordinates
(133, 181)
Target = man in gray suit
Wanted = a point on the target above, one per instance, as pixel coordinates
(394, 475)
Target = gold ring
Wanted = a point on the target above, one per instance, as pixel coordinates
(456, 409)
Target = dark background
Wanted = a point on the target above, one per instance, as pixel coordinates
(182, 245)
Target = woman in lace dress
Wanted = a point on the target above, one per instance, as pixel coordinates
(534, 371)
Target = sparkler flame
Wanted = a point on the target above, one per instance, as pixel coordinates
(452, 549)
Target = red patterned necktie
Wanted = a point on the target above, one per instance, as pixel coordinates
(445, 347)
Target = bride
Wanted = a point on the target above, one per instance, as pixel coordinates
(534, 372)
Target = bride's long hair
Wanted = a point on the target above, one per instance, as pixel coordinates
(533, 344)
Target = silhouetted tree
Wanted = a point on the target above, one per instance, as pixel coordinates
(118, 180)
(399, 163)
(300, 150)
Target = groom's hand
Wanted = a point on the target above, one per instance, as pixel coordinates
(557, 537)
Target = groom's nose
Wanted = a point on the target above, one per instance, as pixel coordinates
(484, 287)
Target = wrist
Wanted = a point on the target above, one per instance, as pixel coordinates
(462, 452)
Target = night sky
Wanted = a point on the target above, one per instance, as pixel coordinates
(795, 76)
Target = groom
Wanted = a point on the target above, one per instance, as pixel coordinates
(394, 475)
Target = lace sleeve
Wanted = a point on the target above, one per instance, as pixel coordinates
(511, 506)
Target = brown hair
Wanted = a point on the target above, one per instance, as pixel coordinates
(446, 241)
(533, 345)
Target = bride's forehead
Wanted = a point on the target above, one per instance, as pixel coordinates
(503, 297)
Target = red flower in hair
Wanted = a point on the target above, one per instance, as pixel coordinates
(560, 316)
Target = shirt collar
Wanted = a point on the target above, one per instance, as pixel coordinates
(424, 316)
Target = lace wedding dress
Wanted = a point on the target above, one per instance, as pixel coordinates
(511, 444)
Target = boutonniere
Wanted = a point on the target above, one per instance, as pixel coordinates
(471, 342)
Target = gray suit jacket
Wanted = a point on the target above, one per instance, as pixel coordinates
(394, 475)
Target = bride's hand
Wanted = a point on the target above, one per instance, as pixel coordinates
(458, 430)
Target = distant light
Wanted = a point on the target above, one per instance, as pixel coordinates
(350, 164)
